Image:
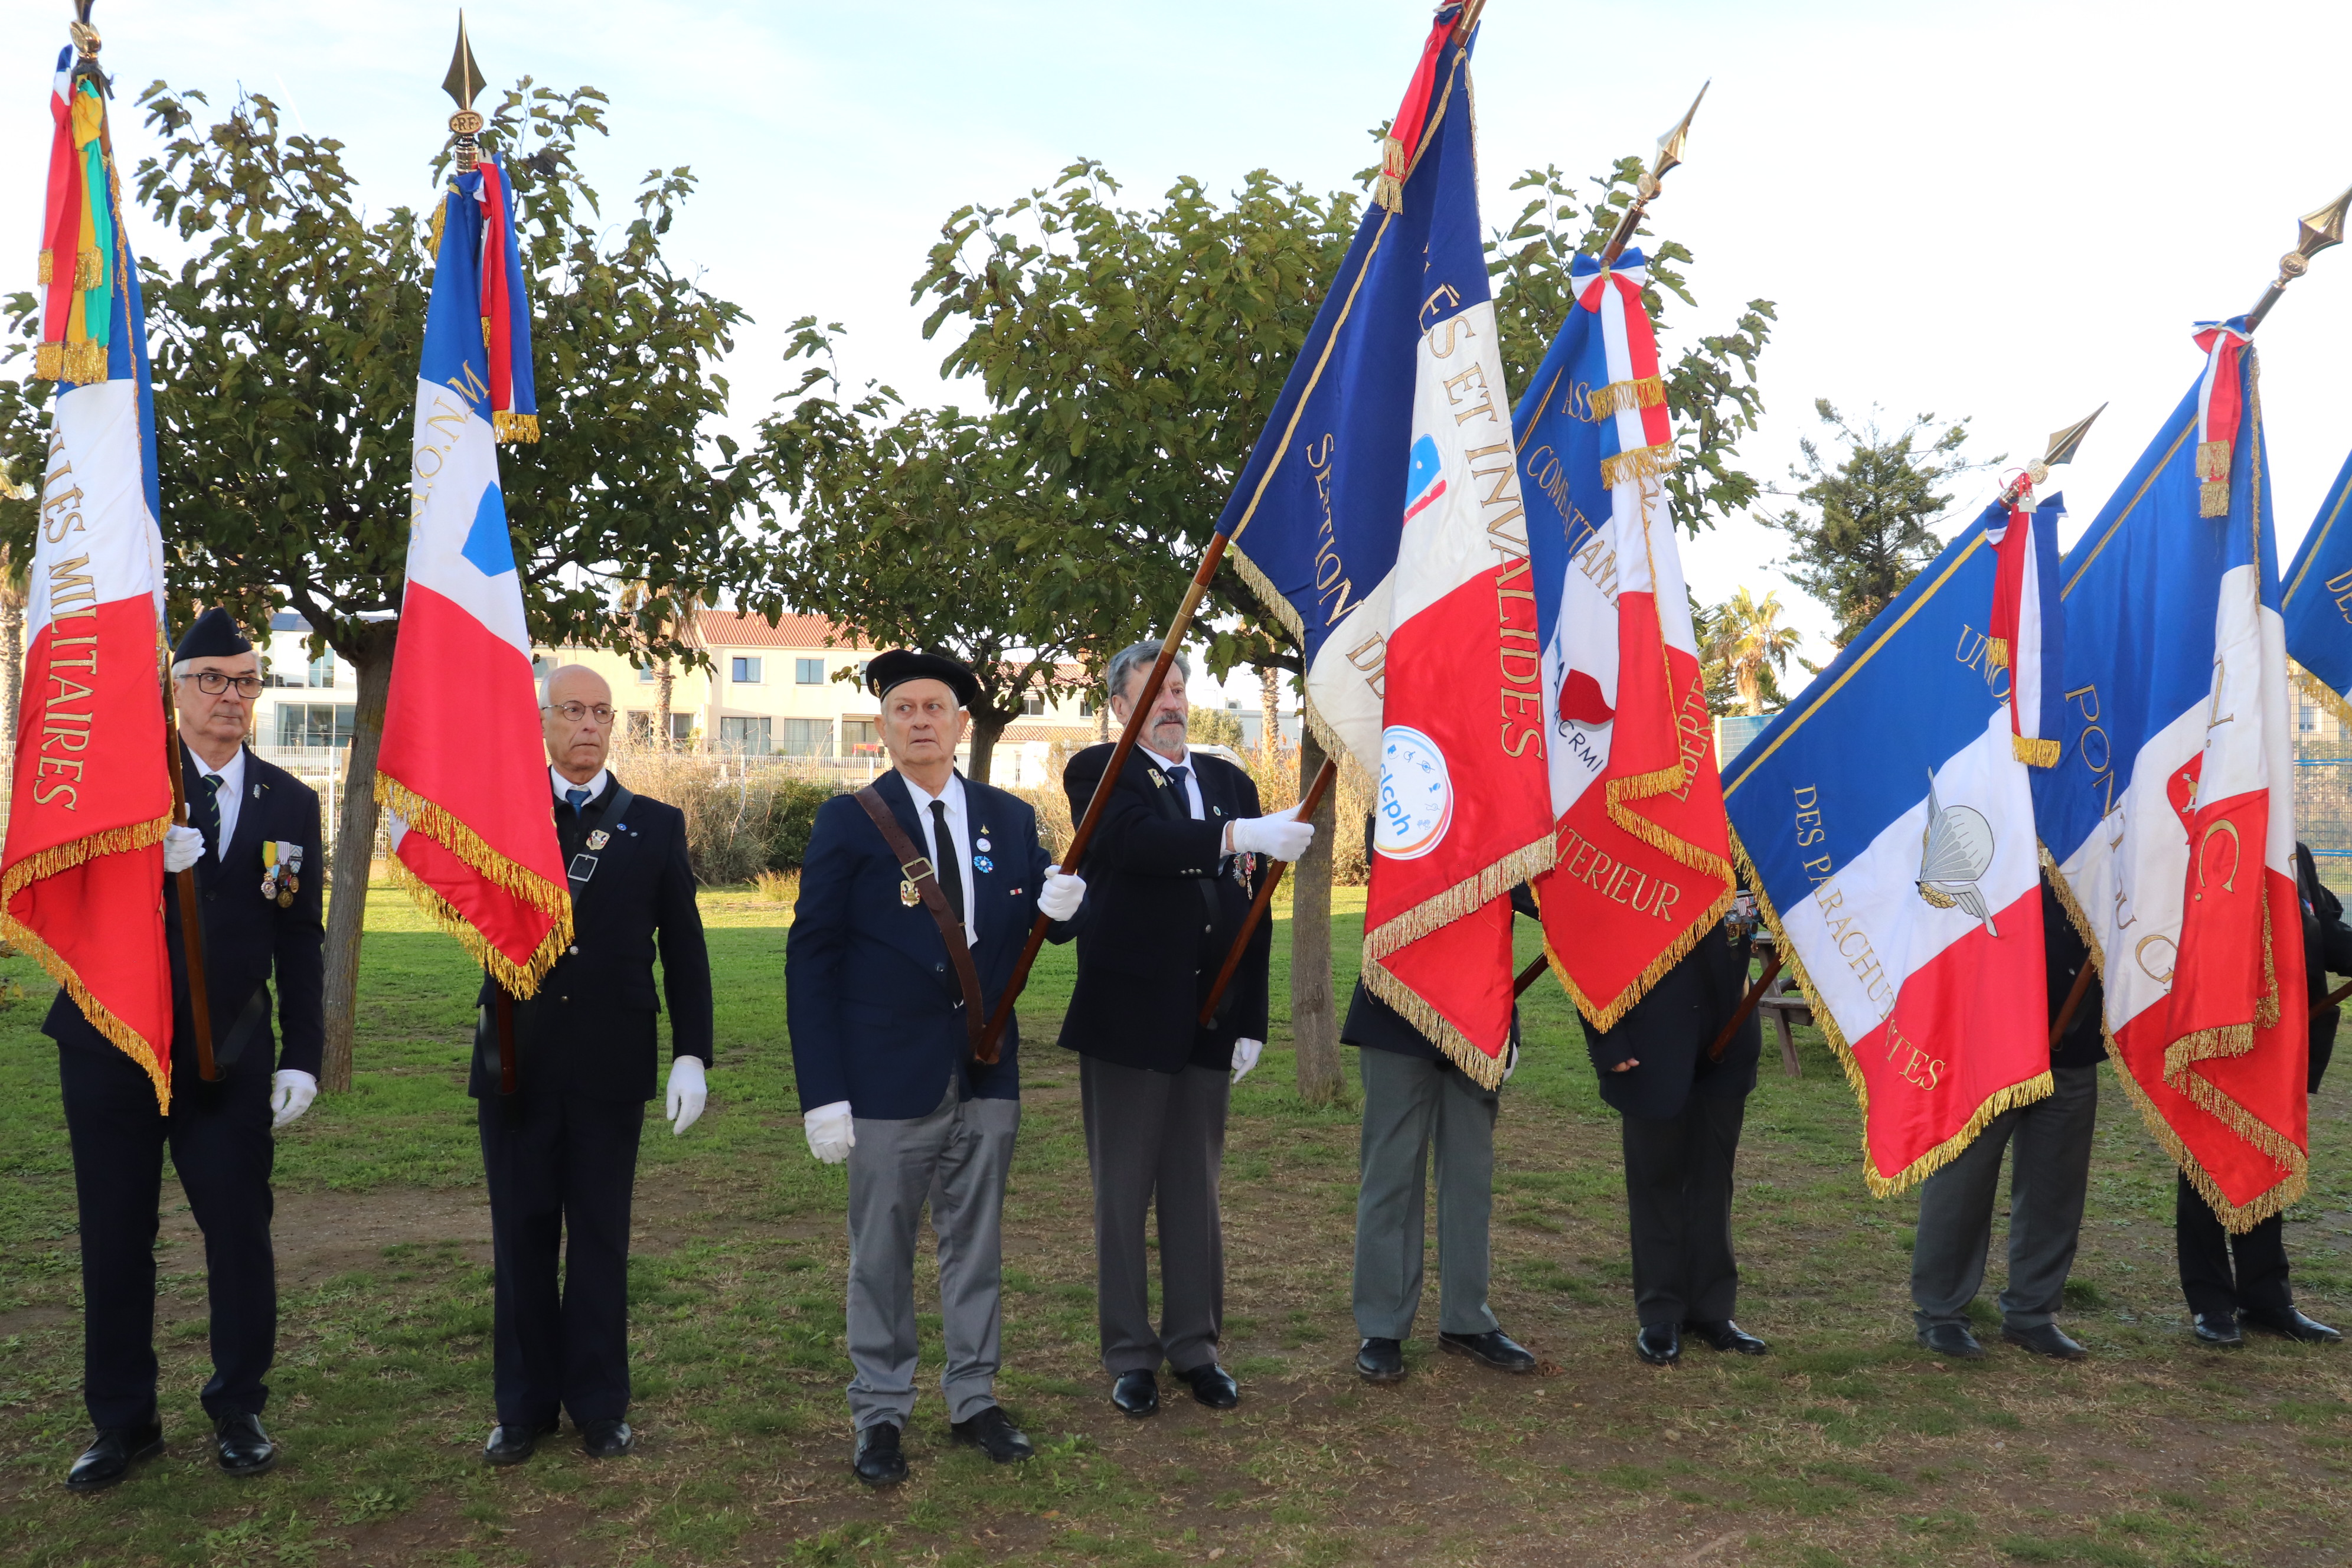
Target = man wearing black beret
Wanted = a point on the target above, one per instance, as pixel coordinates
(254, 845)
(916, 897)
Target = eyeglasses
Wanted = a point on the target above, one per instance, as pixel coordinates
(572, 712)
(212, 683)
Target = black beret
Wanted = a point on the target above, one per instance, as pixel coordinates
(214, 635)
(901, 665)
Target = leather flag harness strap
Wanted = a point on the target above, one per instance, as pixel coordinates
(915, 868)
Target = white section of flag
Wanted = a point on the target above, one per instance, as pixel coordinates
(455, 460)
(94, 507)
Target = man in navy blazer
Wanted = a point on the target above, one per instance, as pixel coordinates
(882, 1049)
(260, 925)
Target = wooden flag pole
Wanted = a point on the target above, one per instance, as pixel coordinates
(1306, 807)
(1531, 975)
(985, 1050)
(1747, 1005)
(192, 922)
(2074, 1000)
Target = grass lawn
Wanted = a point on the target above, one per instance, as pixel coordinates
(1847, 1445)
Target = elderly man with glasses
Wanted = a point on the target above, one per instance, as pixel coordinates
(560, 1152)
(254, 848)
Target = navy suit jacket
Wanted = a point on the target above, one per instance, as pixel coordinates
(589, 1030)
(876, 1010)
(1669, 1031)
(1162, 914)
(248, 938)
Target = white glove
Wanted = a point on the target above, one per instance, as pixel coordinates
(292, 1089)
(1510, 1060)
(1282, 835)
(1061, 895)
(831, 1132)
(688, 1091)
(1245, 1056)
(182, 847)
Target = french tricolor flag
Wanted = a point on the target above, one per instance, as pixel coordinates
(463, 770)
(2170, 810)
(1887, 817)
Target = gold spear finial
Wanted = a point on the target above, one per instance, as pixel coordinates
(463, 82)
(1669, 156)
(2315, 232)
(2063, 443)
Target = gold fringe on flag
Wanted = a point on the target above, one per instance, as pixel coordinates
(89, 269)
(2213, 499)
(521, 979)
(1388, 191)
(49, 266)
(433, 239)
(515, 426)
(2322, 693)
(2033, 753)
(1464, 898)
(2024, 1093)
(2212, 459)
(65, 858)
(1640, 463)
(2294, 1166)
(1648, 391)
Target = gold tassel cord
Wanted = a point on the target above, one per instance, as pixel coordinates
(1640, 463)
(49, 266)
(1647, 392)
(1996, 654)
(521, 427)
(2213, 459)
(89, 269)
(1388, 191)
(435, 822)
(2035, 753)
(2213, 499)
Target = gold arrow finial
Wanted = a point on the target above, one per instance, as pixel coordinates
(1669, 156)
(2315, 232)
(2063, 443)
(463, 83)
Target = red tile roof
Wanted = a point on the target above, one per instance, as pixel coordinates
(727, 629)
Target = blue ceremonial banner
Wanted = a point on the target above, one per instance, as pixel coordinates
(2317, 600)
(1886, 818)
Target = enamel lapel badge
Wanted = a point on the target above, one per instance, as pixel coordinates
(598, 839)
(907, 895)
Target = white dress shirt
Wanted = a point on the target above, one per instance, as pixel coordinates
(231, 775)
(1191, 778)
(594, 786)
(960, 847)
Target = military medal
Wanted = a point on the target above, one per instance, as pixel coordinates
(598, 839)
(269, 870)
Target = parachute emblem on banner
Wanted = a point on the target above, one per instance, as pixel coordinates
(1955, 851)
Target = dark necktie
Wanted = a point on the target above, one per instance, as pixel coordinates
(578, 797)
(207, 812)
(1177, 776)
(945, 867)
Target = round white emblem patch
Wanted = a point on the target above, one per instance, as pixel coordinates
(1416, 803)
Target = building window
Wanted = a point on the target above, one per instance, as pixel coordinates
(1087, 707)
(808, 671)
(322, 670)
(2306, 718)
(1034, 705)
(806, 737)
(641, 726)
(645, 675)
(743, 671)
(315, 726)
(749, 736)
(860, 737)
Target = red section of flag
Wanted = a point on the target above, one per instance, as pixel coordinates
(1645, 860)
(464, 765)
(82, 874)
(498, 318)
(62, 227)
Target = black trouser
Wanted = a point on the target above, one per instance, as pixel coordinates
(221, 1146)
(2260, 1283)
(561, 1169)
(1678, 1198)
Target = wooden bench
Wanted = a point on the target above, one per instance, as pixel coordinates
(1784, 1004)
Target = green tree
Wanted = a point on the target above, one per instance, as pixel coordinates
(1870, 526)
(285, 360)
(1213, 727)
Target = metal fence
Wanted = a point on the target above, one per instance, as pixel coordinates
(2323, 805)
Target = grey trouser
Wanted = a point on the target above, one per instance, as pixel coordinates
(1156, 1138)
(956, 1158)
(1411, 1103)
(1678, 1205)
(2051, 1170)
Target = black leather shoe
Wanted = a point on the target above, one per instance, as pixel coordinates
(1728, 1335)
(1135, 1393)
(2048, 1340)
(110, 1455)
(607, 1439)
(1953, 1341)
(994, 1434)
(1380, 1361)
(877, 1460)
(512, 1443)
(2289, 1323)
(1660, 1344)
(1493, 1348)
(1214, 1387)
(241, 1445)
(2218, 1331)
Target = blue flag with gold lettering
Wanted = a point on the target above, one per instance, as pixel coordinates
(2316, 602)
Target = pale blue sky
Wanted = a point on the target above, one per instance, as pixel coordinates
(2006, 210)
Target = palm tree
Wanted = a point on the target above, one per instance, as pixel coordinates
(1749, 638)
(681, 621)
